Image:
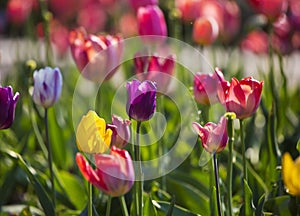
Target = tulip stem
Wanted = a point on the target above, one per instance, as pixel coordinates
(108, 206)
(230, 132)
(49, 157)
(139, 183)
(90, 194)
(124, 206)
(217, 184)
(243, 150)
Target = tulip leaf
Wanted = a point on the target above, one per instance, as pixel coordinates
(163, 208)
(298, 146)
(85, 211)
(31, 173)
(149, 209)
(248, 207)
(279, 206)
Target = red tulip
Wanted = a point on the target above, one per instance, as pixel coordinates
(241, 97)
(205, 87)
(18, 11)
(256, 42)
(97, 57)
(270, 8)
(213, 136)
(151, 21)
(156, 69)
(205, 30)
(114, 173)
(189, 9)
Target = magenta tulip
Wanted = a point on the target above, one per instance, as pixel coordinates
(120, 131)
(135, 4)
(114, 173)
(154, 68)
(213, 136)
(151, 21)
(241, 97)
(205, 87)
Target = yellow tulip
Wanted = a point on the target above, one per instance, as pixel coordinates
(291, 174)
(91, 135)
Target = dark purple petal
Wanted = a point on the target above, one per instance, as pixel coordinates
(7, 106)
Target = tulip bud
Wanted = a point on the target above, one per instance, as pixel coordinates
(114, 173)
(155, 69)
(205, 88)
(120, 131)
(151, 21)
(213, 136)
(91, 135)
(205, 30)
(141, 102)
(8, 103)
(47, 86)
(241, 97)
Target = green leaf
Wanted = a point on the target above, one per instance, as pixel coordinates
(149, 209)
(298, 146)
(214, 204)
(163, 207)
(171, 208)
(248, 207)
(31, 173)
(278, 206)
(25, 212)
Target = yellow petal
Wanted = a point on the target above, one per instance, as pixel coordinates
(291, 174)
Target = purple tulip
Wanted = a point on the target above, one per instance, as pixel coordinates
(8, 103)
(120, 131)
(141, 103)
(47, 86)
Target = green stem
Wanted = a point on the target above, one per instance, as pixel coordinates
(108, 206)
(124, 206)
(243, 150)
(230, 132)
(48, 145)
(217, 184)
(139, 183)
(90, 204)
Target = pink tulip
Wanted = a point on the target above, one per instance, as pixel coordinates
(294, 13)
(205, 30)
(241, 97)
(97, 57)
(128, 25)
(205, 87)
(156, 69)
(282, 27)
(135, 4)
(271, 9)
(59, 35)
(66, 10)
(189, 9)
(256, 42)
(121, 133)
(151, 21)
(114, 173)
(18, 11)
(213, 136)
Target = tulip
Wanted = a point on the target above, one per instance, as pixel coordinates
(141, 103)
(156, 69)
(205, 87)
(291, 174)
(282, 27)
(120, 131)
(213, 136)
(256, 42)
(135, 4)
(189, 9)
(97, 57)
(114, 173)
(151, 21)
(271, 9)
(47, 86)
(294, 13)
(241, 97)
(91, 135)
(8, 103)
(205, 30)
(18, 11)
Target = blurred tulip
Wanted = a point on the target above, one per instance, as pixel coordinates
(47, 86)
(206, 86)
(256, 42)
(59, 36)
(92, 137)
(189, 9)
(271, 9)
(97, 57)
(114, 173)
(135, 4)
(296, 40)
(92, 17)
(151, 21)
(241, 97)
(66, 10)
(8, 102)
(291, 174)
(282, 26)
(156, 69)
(294, 13)
(213, 136)
(141, 102)
(205, 30)
(128, 25)
(120, 131)
(282, 45)
(18, 11)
